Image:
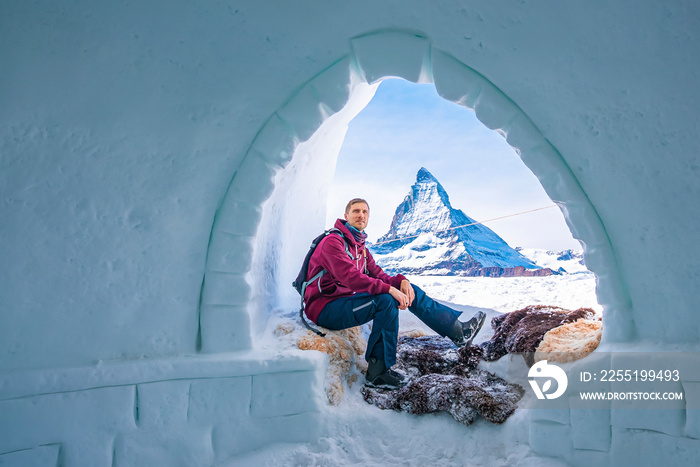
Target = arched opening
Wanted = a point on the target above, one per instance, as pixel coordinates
(407, 126)
(311, 125)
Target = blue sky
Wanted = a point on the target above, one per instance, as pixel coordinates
(407, 126)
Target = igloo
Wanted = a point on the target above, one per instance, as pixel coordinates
(147, 154)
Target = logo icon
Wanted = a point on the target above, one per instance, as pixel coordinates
(548, 372)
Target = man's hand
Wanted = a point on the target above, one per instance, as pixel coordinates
(400, 297)
(408, 291)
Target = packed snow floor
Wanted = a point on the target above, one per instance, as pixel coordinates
(358, 434)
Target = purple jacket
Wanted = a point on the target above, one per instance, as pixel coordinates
(344, 276)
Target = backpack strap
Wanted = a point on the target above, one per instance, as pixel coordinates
(342, 237)
(307, 325)
(305, 284)
(301, 309)
(318, 276)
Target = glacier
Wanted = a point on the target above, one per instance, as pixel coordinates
(427, 235)
(140, 144)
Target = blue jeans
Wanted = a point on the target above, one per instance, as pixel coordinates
(383, 311)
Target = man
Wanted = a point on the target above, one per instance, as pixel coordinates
(354, 291)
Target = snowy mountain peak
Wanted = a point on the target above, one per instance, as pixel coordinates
(427, 235)
(427, 186)
(425, 209)
(425, 175)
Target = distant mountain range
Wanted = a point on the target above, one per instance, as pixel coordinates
(428, 236)
(565, 261)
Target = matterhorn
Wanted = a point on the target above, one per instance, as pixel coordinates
(428, 236)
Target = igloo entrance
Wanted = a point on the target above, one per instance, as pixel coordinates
(312, 125)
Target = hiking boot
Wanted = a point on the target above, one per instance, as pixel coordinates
(463, 334)
(379, 376)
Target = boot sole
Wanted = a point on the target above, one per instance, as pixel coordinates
(383, 386)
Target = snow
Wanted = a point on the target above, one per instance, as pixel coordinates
(359, 434)
(283, 240)
(356, 433)
(506, 294)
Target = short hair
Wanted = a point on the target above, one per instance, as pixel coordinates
(355, 201)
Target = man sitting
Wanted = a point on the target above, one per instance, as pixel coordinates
(355, 290)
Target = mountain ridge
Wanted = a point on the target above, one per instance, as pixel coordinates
(428, 235)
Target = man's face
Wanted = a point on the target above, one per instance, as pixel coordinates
(358, 216)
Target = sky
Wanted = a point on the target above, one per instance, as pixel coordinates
(407, 126)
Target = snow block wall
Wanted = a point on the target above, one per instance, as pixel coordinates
(184, 411)
(140, 145)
